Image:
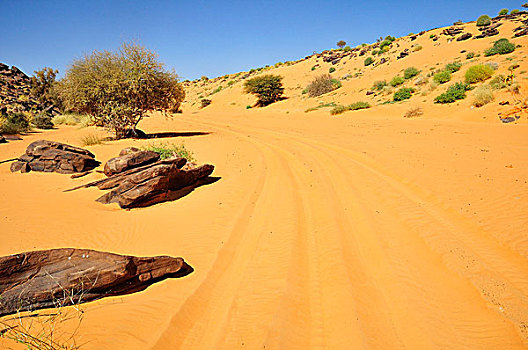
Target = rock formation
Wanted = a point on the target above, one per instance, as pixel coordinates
(129, 160)
(60, 277)
(50, 156)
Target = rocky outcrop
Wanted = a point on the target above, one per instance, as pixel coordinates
(60, 277)
(51, 156)
(161, 181)
(452, 31)
(129, 160)
(464, 36)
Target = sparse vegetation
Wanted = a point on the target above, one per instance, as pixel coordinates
(168, 150)
(368, 61)
(410, 72)
(503, 12)
(470, 55)
(453, 67)
(483, 20)
(92, 139)
(14, 123)
(483, 95)
(417, 48)
(43, 120)
(396, 81)
(442, 77)
(331, 70)
(267, 88)
(455, 92)
(379, 85)
(72, 119)
(322, 85)
(413, 112)
(351, 107)
(479, 72)
(498, 82)
(501, 47)
(403, 94)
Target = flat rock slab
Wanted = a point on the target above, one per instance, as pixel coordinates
(51, 156)
(60, 277)
(129, 159)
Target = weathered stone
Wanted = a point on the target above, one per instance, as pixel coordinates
(130, 161)
(464, 36)
(49, 278)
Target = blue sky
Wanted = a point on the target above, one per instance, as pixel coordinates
(213, 37)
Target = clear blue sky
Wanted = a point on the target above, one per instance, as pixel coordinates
(213, 37)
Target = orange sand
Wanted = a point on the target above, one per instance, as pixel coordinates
(366, 230)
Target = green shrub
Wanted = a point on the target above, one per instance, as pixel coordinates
(321, 85)
(397, 80)
(168, 150)
(484, 20)
(453, 67)
(267, 88)
(479, 72)
(514, 11)
(331, 70)
(14, 123)
(442, 77)
(314, 67)
(217, 90)
(347, 48)
(120, 88)
(410, 73)
(368, 61)
(502, 46)
(453, 93)
(43, 120)
(403, 94)
(374, 52)
(92, 139)
(470, 55)
(483, 95)
(379, 85)
(351, 107)
(503, 12)
(338, 110)
(498, 82)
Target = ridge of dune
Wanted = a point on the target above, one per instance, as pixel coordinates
(366, 230)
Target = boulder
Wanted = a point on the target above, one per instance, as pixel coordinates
(2, 139)
(129, 160)
(51, 156)
(464, 36)
(60, 277)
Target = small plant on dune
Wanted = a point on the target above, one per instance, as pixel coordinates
(379, 85)
(403, 94)
(267, 88)
(396, 81)
(217, 90)
(503, 12)
(417, 48)
(470, 55)
(498, 82)
(455, 92)
(413, 112)
(351, 107)
(453, 67)
(514, 11)
(368, 61)
(442, 77)
(374, 52)
(168, 150)
(479, 72)
(483, 20)
(482, 95)
(92, 139)
(322, 85)
(501, 47)
(14, 123)
(331, 70)
(205, 102)
(410, 72)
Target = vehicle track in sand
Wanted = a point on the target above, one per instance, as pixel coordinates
(331, 250)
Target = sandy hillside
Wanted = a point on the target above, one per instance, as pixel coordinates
(363, 230)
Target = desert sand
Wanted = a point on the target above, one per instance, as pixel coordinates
(363, 230)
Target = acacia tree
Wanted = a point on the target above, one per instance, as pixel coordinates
(341, 44)
(118, 89)
(268, 88)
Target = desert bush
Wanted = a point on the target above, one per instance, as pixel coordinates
(442, 77)
(331, 70)
(403, 94)
(341, 44)
(205, 102)
(43, 120)
(470, 55)
(498, 82)
(368, 61)
(347, 48)
(413, 112)
(379, 85)
(374, 52)
(168, 150)
(453, 67)
(217, 90)
(482, 95)
(118, 89)
(479, 72)
(72, 119)
(455, 92)
(396, 81)
(267, 88)
(503, 12)
(14, 123)
(92, 139)
(351, 107)
(42, 87)
(502, 46)
(483, 20)
(322, 85)
(514, 11)
(417, 48)
(420, 81)
(410, 73)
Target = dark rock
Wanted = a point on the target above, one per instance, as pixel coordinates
(503, 103)
(464, 36)
(135, 134)
(129, 161)
(45, 279)
(508, 119)
(403, 54)
(452, 31)
(521, 32)
(50, 156)
(370, 93)
(2, 139)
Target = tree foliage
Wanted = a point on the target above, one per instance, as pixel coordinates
(267, 88)
(118, 89)
(41, 86)
(341, 44)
